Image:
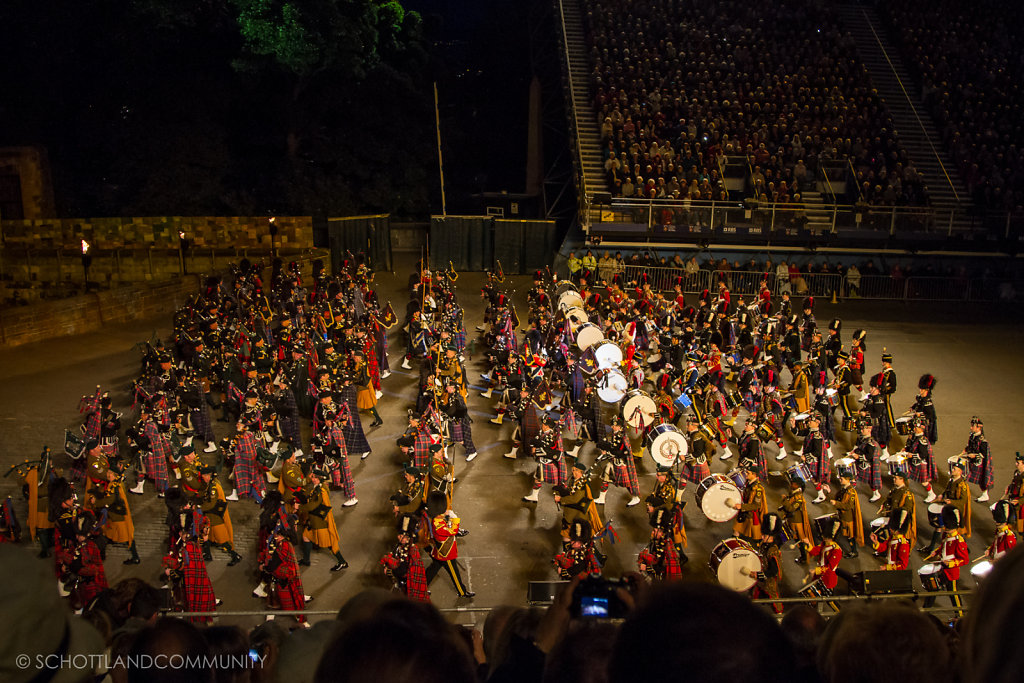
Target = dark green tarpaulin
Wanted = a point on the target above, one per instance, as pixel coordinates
(370, 235)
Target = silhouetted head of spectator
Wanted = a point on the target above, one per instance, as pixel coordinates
(987, 647)
(230, 645)
(582, 656)
(173, 642)
(864, 641)
(803, 626)
(709, 632)
(403, 641)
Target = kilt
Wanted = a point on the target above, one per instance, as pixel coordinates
(552, 472)
(287, 583)
(381, 344)
(91, 430)
(421, 449)
(352, 429)
(872, 476)
(200, 419)
(882, 433)
(459, 338)
(981, 474)
(96, 583)
(342, 476)
(463, 433)
(416, 577)
(366, 398)
(199, 595)
(249, 480)
(821, 467)
(923, 472)
(624, 475)
(156, 469)
(695, 473)
(751, 401)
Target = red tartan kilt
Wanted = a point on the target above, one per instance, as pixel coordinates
(696, 473)
(821, 469)
(624, 475)
(923, 472)
(553, 472)
(290, 595)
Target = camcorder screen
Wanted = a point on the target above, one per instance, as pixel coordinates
(593, 606)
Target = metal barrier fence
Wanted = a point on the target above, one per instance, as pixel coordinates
(880, 287)
(683, 216)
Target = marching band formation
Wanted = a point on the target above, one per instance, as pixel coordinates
(622, 367)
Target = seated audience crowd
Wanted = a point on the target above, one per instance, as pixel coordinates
(967, 57)
(680, 88)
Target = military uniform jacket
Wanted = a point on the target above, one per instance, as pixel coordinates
(958, 494)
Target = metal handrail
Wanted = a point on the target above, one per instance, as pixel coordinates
(572, 105)
(924, 130)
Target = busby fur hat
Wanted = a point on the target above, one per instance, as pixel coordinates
(836, 325)
(1002, 512)
(580, 531)
(950, 517)
(899, 520)
(926, 382)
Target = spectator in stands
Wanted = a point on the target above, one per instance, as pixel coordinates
(606, 267)
(782, 278)
(853, 281)
(167, 638)
(574, 265)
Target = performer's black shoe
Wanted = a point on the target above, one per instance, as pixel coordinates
(376, 423)
(303, 563)
(469, 595)
(132, 560)
(338, 567)
(235, 559)
(463, 532)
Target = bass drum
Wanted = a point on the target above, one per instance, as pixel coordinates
(567, 296)
(587, 335)
(638, 409)
(612, 387)
(735, 563)
(608, 354)
(666, 444)
(576, 317)
(716, 496)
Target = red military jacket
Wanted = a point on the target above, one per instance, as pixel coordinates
(954, 554)
(829, 555)
(445, 531)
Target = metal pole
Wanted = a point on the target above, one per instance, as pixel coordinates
(440, 162)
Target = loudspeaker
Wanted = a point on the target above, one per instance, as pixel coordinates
(877, 581)
(542, 592)
(601, 199)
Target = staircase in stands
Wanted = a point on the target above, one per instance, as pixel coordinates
(588, 133)
(917, 132)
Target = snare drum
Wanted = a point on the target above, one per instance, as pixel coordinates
(666, 444)
(980, 570)
(608, 354)
(587, 335)
(709, 430)
(849, 424)
(904, 427)
(929, 574)
(682, 401)
(735, 563)
(656, 362)
(831, 397)
(800, 424)
(638, 409)
(879, 523)
(612, 387)
(765, 431)
(716, 495)
(733, 399)
(935, 515)
(813, 589)
(737, 478)
(800, 470)
(897, 461)
(845, 463)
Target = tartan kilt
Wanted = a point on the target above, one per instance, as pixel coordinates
(882, 433)
(156, 469)
(91, 430)
(981, 474)
(199, 595)
(695, 473)
(552, 472)
(290, 595)
(872, 476)
(624, 475)
(382, 352)
(200, 418)
(459, 338)
(291, 430)
(421, 449)
(923, 472)
(342, 476)
(463, 433)
(416, 577)
(248, 479)
(750, 401)
(355, 438)
(821, 468)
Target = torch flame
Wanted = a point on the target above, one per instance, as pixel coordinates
(181, 234)
(85, 247)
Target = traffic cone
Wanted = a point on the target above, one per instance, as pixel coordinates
(834, 301)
